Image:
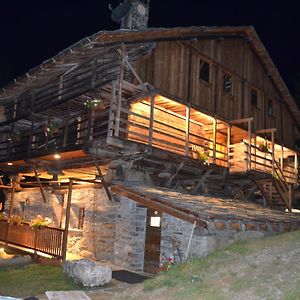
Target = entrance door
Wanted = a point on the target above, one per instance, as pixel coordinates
(152, 241)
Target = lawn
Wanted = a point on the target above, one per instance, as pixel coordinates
(33, 280)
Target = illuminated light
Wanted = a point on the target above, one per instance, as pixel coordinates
(9, 164)
(155, 221)
(1, 250)
(56, 156)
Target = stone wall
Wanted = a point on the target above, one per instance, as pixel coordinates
(130, 235)
(175, 235)
(30, 203)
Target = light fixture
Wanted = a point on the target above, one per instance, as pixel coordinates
(98, 179)
(10, 164)
(56, 156)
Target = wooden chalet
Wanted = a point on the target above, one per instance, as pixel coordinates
(199, 109)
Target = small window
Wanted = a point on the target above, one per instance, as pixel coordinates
(228, 84)
(270, 111)
(254, 98)
(204, 71)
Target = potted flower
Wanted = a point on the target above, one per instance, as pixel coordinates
(16, 220)
(3, 216)
(39, 221)
(263, 147)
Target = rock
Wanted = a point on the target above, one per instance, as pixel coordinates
(88, 273)
(16, 261)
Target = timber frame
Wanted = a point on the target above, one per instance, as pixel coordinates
(93, 103)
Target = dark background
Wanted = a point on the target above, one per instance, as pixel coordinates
(33, 31)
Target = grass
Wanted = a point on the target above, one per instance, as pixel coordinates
(33, 280)
(242, 270)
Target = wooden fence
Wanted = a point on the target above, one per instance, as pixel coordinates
(48, 240)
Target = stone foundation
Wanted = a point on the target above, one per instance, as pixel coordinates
(115, 231)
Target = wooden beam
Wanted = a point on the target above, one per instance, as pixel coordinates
(67, 222)
(159, 205)
(136, 75)
(228, 145)
(152, 103)
(112, 108)
(249, 143)
(120, 89)
(175, 174)
(103, 180)
(273, 151)
(240, 121)
(269, 130)
(40, 185)
(214, 140)
(281, 160)
(12, 199)
(201, 181)
(187, 129)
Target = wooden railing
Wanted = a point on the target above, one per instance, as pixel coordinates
(45, 239)
(264, 162)
(170, 133)
(71, 135)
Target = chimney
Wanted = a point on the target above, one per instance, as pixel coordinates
(138, 16)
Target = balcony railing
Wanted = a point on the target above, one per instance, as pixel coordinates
(48, 240)
(71, 135)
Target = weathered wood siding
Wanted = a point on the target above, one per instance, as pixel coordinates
(174, 67)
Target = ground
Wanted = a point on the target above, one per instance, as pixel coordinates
(267, 268)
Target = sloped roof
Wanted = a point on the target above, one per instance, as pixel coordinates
(87, 46)
(203, 209)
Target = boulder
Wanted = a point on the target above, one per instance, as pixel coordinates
(88, 273)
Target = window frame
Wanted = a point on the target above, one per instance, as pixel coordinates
(208, 72)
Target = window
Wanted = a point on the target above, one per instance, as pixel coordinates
(270, 111)
(204, 71)
(254, 98)
(228, 84)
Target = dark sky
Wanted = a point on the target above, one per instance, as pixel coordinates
(33, 31)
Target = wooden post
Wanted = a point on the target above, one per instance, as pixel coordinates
(249, 145)
(112, 112)
(214, 139)
(61, 211)
(67, 222)
(121, 77)
(103, 180)
(228, 145)
(290, 198)
(66, 131)
(40, 185)
(187, 129)
(281, 160)
(255, 142)
(151, 120)
(12, 199)
(273, 152)
(296, 166)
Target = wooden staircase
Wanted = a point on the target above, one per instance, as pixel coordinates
(275, 190)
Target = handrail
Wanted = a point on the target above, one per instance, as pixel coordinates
(45, 239)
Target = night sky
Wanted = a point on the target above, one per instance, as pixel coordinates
(33, 31)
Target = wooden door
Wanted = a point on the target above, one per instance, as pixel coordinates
(152, 241)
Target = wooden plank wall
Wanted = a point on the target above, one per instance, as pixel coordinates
(174, 67)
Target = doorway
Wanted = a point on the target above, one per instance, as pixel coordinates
(152, 241)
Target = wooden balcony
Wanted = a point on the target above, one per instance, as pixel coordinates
(52, 137)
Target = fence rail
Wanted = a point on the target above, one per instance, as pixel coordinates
(45, 239)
